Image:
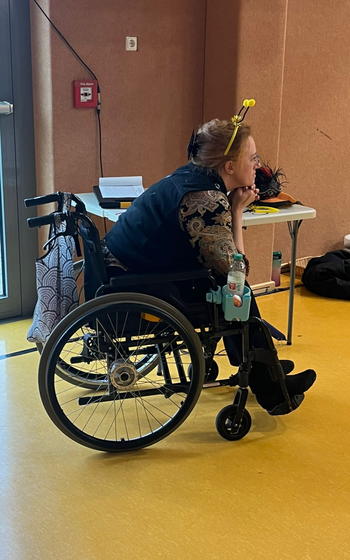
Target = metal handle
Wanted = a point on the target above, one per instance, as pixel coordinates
(41, 220)
(6, 108)
(36, 201)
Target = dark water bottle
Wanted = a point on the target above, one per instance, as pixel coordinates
(276, 268)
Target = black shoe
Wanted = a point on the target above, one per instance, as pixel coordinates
(303, 380)
(287, 366)
(270, 395)
(296, 385)
(283, 408)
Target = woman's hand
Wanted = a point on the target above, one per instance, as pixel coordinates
(242, 196)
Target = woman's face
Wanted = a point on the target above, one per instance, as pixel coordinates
(244, 170)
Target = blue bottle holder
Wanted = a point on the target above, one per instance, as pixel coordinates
(231, 313)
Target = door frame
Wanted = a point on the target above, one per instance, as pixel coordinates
(23, 173)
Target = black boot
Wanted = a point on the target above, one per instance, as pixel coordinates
(287, 366)
(269, 394)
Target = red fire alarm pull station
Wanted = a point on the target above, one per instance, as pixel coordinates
(84, 94)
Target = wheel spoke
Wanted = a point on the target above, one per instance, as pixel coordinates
(115, 399)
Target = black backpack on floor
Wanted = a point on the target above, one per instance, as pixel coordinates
(329, 275)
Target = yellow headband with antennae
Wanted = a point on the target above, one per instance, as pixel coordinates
(237, 121)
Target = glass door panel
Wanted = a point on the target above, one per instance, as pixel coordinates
(10, 287)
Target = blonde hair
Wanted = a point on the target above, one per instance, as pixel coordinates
(213, 138)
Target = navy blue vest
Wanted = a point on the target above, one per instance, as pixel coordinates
(148, 236)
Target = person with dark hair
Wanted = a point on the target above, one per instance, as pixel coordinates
(193, 218)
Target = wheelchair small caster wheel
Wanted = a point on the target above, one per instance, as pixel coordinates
(225, 423)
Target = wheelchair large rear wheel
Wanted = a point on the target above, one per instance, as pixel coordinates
(130, 409)
(82, 376)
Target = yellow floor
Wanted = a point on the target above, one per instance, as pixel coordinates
(283, 492)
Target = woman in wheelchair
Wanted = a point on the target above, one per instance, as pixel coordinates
(193, 218)
(126, 367)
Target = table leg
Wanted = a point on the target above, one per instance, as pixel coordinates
(293, 231)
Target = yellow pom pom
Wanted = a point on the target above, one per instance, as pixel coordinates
(251, 102)
(246, 103)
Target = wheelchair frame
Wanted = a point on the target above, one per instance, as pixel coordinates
(96, 369)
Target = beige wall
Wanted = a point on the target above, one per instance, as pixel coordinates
(198, 59)
(151, 99)
(245, 59)
(314, 140)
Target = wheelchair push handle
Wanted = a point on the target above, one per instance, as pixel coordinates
(44, 220)
(55, 197)
(38, 200)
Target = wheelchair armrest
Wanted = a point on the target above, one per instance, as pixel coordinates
(151, 278)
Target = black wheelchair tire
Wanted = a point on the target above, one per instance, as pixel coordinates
(225, 417)
(81, 316)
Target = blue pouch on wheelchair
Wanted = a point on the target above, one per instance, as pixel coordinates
(224, 297)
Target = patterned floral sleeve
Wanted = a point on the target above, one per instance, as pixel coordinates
(206, 217)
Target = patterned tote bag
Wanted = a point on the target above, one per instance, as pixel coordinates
(55, 281)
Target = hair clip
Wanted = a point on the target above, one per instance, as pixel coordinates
(193, 147)
(237, 121)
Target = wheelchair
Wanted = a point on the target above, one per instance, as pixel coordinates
(124, 369)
